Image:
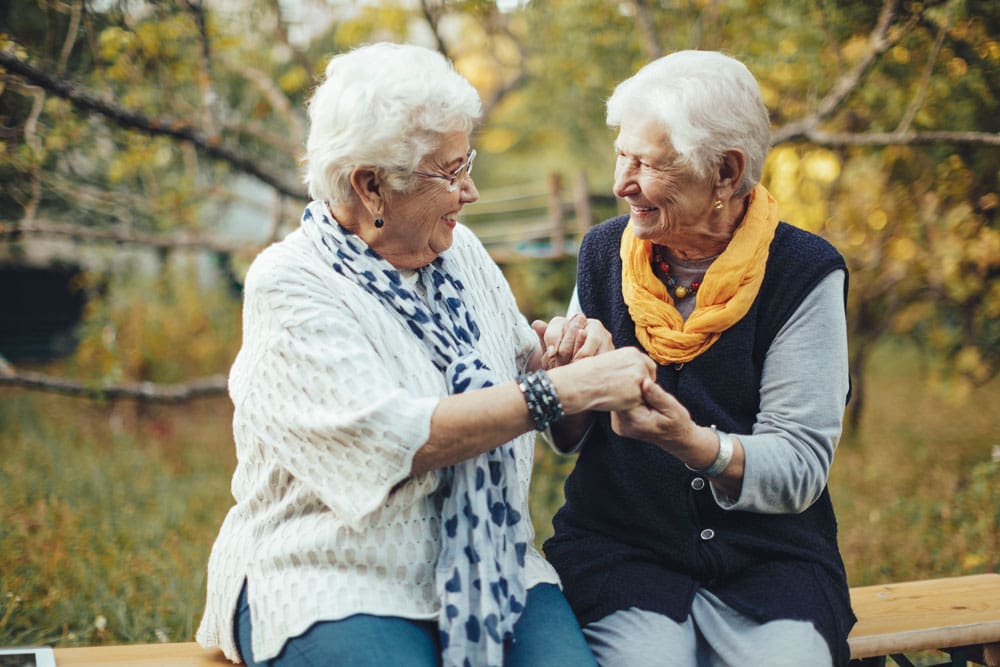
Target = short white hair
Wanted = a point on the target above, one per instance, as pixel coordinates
(707, 102)
(383, 106)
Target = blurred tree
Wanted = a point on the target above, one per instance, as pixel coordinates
(137, 121)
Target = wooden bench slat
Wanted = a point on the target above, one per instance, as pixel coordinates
(181, 654)
(931, 614)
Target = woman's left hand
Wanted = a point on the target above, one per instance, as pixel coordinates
(662, 420)
(568, 339)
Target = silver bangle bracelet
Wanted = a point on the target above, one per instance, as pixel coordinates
(722, 459)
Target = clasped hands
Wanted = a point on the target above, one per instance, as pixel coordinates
(623, 381)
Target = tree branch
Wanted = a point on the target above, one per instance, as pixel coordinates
(502, 91)
(278, 101)
(281, 33)
(822, 138)
(645, 24)
(432, 20)
(878, 41)
(502, 27)
(89, 202)
(213, 385)
(153, 126)
(31, 139)
(205, 83)
(258, 131)
(925, 81)
(12, 230)
(71, 32)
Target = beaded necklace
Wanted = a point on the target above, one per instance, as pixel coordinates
(660, 263)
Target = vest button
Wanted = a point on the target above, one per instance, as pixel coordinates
(707, 534)
(698, 483)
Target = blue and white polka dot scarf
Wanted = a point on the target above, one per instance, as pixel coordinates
(480, 570)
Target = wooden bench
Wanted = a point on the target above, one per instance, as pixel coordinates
(957, 615)
(186, 654)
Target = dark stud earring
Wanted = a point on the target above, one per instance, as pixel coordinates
(379, 222)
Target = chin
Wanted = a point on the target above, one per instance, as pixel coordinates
(441, 244)
(644, 233)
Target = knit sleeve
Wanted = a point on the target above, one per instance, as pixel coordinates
(319, 397)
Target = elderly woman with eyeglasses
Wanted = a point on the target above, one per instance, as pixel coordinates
(386, 396)
(698, 528)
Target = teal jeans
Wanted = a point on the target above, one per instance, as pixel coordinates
(546, 635)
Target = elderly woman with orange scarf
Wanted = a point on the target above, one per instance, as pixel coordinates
(698, 528)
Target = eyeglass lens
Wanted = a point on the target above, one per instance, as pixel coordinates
(462, 171)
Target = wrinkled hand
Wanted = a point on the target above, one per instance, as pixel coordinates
(606, 382)
(660, 419)
(565, 340)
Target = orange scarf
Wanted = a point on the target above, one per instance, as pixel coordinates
(726, 293)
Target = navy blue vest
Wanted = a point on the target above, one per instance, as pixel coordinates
(640, 529)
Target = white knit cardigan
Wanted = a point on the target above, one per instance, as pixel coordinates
(333, 395)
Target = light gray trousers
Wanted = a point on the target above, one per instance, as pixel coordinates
(714, 635)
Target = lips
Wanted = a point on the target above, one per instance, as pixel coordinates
(640, 210)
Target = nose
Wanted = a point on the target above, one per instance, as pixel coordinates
(468, 191)
(625, 183)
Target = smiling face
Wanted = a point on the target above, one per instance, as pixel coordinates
(419, 222)
(669, 203)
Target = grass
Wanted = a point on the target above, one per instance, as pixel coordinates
(917, 489)
(106, 518)
(107, 512)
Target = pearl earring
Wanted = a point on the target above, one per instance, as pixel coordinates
(379, 222)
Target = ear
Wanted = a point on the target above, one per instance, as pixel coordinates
(730, 173)
(367, 186)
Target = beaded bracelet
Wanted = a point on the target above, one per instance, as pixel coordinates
(722, 459)
(543, 402)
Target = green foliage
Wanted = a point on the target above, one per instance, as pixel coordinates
(917, 222)
(543, 287)
(561, 106)
(160, 325)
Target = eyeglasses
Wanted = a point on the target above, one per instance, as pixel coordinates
(454, 178)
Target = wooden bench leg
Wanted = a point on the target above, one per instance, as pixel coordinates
(959, 657)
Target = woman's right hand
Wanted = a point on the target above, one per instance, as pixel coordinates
(606, 382)
(568, 339)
